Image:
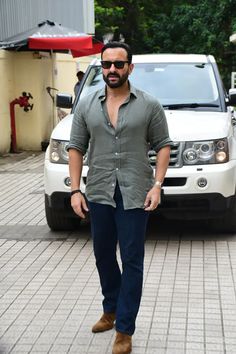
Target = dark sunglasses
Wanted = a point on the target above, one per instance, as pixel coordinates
(119, 64)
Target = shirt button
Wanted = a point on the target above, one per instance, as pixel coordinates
(116, 153)
(113, 184)
(117, 169)
(116, 137)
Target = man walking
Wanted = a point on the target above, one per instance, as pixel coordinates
(119, 123)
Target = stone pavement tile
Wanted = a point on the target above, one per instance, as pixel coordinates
(160, 351)
(23, 161)
(230, 340)
(21, 348)
(230, 348)
(215, 347)
(82, 349)
(195, 351)
(195, 339)
(194, 346)
(175, 345)
(17, 205)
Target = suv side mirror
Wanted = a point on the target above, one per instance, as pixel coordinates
(232, 97)
(64, 100)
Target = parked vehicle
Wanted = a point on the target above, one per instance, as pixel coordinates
(201, 179)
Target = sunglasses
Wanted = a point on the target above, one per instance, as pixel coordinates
(119, 64)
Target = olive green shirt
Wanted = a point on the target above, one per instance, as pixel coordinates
(119, 154)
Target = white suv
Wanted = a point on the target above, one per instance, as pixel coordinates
(201, 178)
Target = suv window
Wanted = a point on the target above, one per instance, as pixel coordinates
(171, 83)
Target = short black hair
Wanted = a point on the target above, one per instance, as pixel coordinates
(79, 73)
(123, 45)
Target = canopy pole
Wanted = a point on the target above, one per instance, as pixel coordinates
(54, 84)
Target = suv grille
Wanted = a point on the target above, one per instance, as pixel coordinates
(175, 155)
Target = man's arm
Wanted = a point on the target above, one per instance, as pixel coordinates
(162, 162)
(78, 202)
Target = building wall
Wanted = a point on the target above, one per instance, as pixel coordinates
(32, 73)
(67, 67)
(17, 16)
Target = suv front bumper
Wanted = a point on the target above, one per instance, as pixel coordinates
(183, 197)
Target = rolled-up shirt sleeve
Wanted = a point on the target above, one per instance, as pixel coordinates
(79, 136)
(158, 129)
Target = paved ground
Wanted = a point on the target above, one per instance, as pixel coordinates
(49, 289)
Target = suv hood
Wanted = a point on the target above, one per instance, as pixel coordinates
(63, 128)
(194, 125)
(183, 125)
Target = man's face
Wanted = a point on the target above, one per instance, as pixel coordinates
(112, 76)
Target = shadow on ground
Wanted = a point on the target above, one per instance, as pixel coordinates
(158, 229)
(168, 229)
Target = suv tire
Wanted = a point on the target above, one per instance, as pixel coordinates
(57, 221)
(226, 223)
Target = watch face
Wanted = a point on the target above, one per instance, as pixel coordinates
(158, 183)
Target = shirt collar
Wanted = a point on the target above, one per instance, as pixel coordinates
(102, 93)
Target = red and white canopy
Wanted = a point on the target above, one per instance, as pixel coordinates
(50, 35)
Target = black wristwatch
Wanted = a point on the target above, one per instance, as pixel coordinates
(75, 191)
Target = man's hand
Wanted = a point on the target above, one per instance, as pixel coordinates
(79, 204)
(152, 199)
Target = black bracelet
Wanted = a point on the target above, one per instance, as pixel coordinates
(76, 191)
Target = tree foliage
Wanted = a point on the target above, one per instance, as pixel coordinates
(174, 26)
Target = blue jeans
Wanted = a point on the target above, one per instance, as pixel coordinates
(121, 289)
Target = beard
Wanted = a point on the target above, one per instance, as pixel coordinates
(118, 83)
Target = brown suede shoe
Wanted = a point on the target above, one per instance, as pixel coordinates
(105, 323)
(122, 344)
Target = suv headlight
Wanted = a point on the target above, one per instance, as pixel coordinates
(58, 152)
(206, 152)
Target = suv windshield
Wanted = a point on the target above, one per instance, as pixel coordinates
(176, 85)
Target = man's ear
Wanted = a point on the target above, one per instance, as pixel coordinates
(131, 66)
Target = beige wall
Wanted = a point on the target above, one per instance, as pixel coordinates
(67, 67)
(30, 72)
(6, 92)
(25, 72)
